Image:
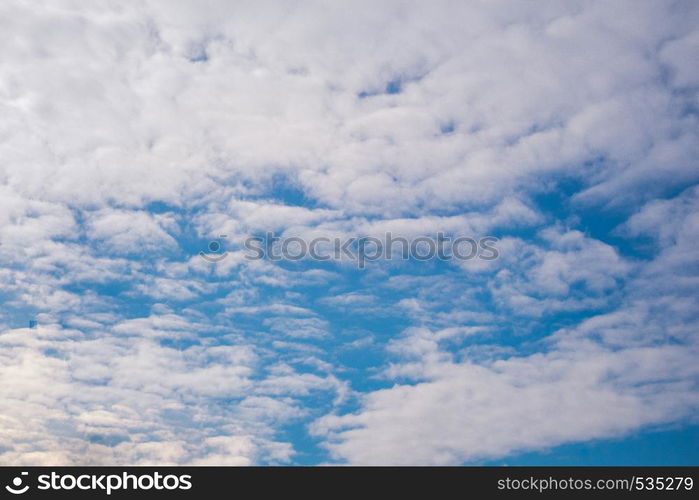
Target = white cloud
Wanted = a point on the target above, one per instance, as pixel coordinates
(94, 398)
(609, 375)
(130, 130)
(125, 232)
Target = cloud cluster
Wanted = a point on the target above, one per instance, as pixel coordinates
(132, 133)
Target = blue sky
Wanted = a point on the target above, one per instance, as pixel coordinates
(132, 136)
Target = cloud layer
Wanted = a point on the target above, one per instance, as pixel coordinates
(133, 133)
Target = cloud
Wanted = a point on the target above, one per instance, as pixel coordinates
(133, 134)
(607, 376)
(95, 398)
(123, 232)
(467, 412)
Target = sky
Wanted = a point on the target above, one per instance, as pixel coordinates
(134, 133)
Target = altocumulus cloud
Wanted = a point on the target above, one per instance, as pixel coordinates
(132, 133)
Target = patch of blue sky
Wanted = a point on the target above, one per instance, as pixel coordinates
(661, 446)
